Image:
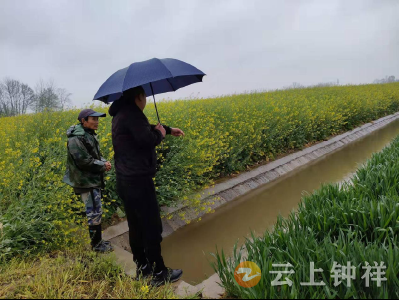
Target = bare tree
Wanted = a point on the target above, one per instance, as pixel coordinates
(326, 84)
(2, 112)
(9, 89)
(387, 79)
(64, 98)
(27, 98)
(16, 97)
(46, 97)
(295, 85)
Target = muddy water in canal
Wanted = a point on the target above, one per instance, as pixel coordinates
(189, 248)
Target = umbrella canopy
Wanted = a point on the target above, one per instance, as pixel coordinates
(156, 76)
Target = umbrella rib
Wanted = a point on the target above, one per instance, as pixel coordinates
(171, 75)
(124, 79)
(167, 79)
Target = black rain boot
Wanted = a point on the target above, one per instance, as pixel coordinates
(166, 276)
(97, 244)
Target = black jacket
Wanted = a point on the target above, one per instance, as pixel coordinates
(134, 141)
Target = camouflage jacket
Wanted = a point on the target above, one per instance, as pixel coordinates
(85, 166)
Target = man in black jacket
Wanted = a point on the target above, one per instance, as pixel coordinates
(134, 141)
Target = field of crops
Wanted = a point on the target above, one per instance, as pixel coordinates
(355, 224)
(223, 135)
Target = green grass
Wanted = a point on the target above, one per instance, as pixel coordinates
(354, 223)
(73, 274)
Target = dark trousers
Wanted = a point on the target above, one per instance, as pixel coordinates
(144, 219)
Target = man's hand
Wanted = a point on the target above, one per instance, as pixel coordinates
(177, 132)
(108, 166)
(161, 129)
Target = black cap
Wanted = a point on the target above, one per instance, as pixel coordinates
(90, 113)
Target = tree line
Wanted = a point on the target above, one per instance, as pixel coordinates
(18, 98)
(296, 85)
(387, 79)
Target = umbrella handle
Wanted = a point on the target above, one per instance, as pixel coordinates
(152, 91)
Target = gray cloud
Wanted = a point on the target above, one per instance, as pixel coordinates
(241, 45)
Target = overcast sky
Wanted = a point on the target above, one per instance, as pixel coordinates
(241, 45)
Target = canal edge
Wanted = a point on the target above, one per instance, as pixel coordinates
(248, 181)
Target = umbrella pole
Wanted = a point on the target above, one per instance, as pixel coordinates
(159, 120)
(152, 91)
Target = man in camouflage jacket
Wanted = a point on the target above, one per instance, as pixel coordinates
(85, 172)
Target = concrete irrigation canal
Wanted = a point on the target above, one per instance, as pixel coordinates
(253, 201)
